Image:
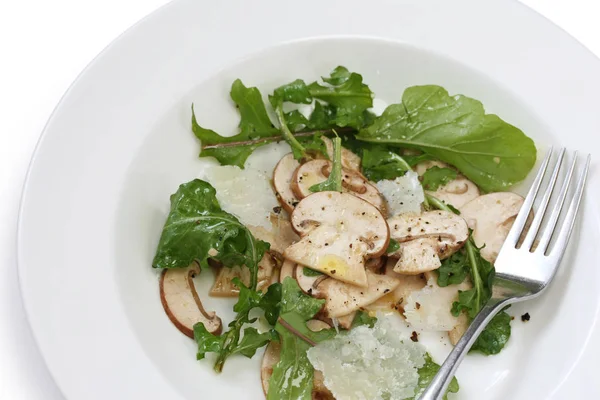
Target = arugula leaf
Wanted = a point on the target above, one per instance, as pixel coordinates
(292, 376)
(495, 335)
(435, 177)
(482, 276)
(333, 182)
(393, 246)
(454, 269)
(363, 318)
(455, 129)
(348, 94)
(314, 144)
(382, 162)
(254, 124)
(233, 342)
(311, 272)
(426, 374)
(297, 149)
(196, 224)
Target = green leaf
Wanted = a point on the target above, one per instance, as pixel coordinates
(348, 94)
(254, 124)
(292, 376)
(293, 92)
(196, 224)
(252, 341)
(322, 117)
(314, 144)
(454, 269)
(393, 246)
(495, 336)
(426, 374)
(270, 303)
(311, 272)
(363, 318)
(207, 342)
(382, 162)
(435, 177)
(333, 182)
(455, 129)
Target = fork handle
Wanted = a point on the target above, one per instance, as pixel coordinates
(438, 386)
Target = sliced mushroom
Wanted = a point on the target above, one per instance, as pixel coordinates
(349, 159)
(338, 232)
(341, 298)
(345, 321)
(395, 300)
(457, 192)
(317, 171)
(180, 300)
(429, 308)
(376, 264)
(426, 239)
(491, 216)
(280, 236)
(287, 269)
(223, 286)
(271, 358)
(462, 324)
(282, 178)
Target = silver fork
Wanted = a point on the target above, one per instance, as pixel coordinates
(523, 271)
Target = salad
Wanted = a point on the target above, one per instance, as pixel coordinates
(385, 225)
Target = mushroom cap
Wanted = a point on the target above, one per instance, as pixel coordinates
(181, 303)
(317, 171)
(280, 236)
(457, 192)
(426, 239)
(395, 300)
(349, 159)
(490, 217)
(341, 298)
(287, 269)
(223, 287)
(282, 178)
(338, 232)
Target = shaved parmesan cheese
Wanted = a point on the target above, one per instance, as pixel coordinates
(403, 194)
(247, 193)
(429, 308)
(365, 363)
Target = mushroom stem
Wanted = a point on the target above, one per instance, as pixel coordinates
(294, 331)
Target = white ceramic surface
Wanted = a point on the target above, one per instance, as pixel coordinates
(119, 143)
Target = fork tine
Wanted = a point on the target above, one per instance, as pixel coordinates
(565, 231)
(515, 232)
(560, 202)
(541, 211)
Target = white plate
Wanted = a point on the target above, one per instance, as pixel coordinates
(119, 144)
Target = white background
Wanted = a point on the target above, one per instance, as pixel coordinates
(43, 47)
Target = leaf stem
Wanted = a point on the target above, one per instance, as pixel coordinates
(295, 332)
(336, 169)
(297, 148)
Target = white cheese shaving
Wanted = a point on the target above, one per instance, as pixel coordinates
(403, 194)
(247, 193)
(369, 364)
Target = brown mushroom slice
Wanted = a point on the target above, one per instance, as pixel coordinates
(287, 269)
(349, 159)
(182, 305)
(426, 239)
(459, 329)
(457, 192)
(376, 265)
(282, 178)
(395, 299)
(317, 171)
(345, 321)
(338, 232)
(271, 358)
(490, 217)
(342, 299)
(280, 236)
(224, 287)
